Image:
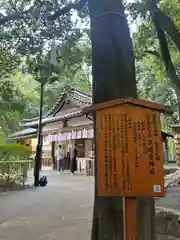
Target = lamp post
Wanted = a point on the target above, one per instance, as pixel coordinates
(37, 165)
(44, 72)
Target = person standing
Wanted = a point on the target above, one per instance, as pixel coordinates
(60, 159)
(74, 153)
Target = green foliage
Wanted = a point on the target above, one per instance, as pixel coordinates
(20, 92)
(13, 104)
(34, 37)
(14, 163)
(9, 60)
(172, 9)
(72, 69)
(2, 136)
(30, 42)
(35, 33)
(29, 93)
(11, 151)
(154, 88)
(153, 81)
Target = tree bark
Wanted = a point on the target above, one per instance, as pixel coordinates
(167, 25)
(112, 55)
(114, 77)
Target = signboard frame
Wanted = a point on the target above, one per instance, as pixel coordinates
(139, 111)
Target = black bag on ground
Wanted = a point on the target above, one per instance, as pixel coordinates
(43, 181)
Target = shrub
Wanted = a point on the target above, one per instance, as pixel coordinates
(14, 163)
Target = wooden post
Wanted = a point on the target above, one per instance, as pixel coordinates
(130, 218)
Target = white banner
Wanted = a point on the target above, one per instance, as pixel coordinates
(77, 134)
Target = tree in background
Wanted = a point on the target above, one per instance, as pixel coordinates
(154, 86)
(157, 39)
(71, 68)
(26, 33)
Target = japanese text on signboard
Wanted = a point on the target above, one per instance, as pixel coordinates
(129, 150)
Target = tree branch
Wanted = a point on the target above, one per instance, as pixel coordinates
(169, 66)
(164, 22)
(150, 52)
(165, 53)
(154, 53)
(76, 6)
(167, 25)
(14, 16)
(21, 15)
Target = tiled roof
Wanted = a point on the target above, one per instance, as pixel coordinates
(82, 98)
(77, 95)
(31, 119)
(54, 118)
(23, 133)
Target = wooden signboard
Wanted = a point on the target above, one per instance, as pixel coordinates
(130, 153)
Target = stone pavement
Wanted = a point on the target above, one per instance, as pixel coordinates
(61, 210)
(171, 200)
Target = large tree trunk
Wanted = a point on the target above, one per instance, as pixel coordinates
(114, 77)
